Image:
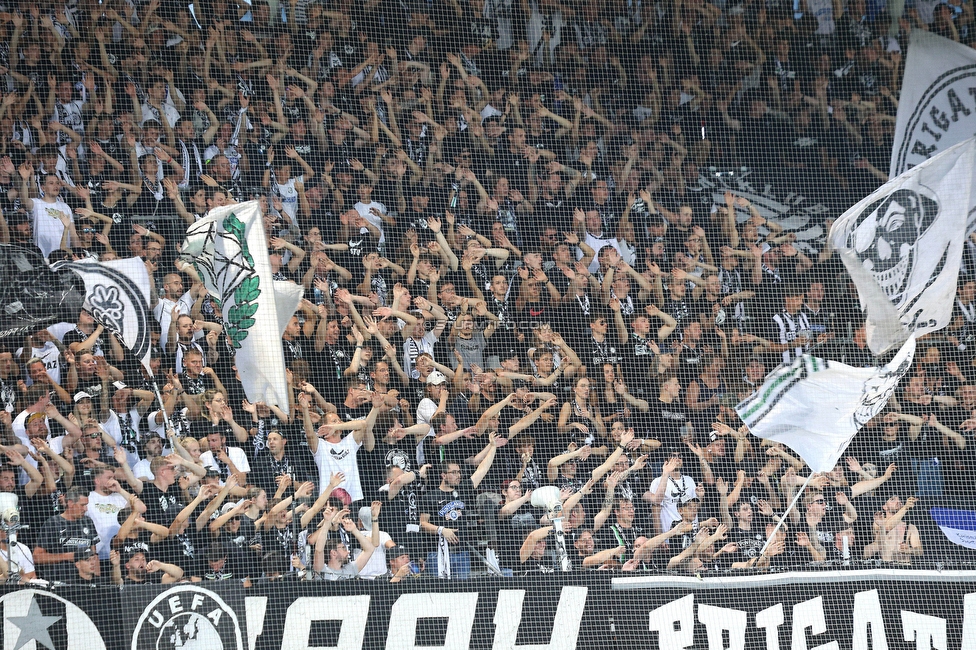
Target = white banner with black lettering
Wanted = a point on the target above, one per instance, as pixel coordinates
(903, 245)
(937, 107)
(816, 407)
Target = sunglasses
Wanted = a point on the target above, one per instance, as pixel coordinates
(93, 436)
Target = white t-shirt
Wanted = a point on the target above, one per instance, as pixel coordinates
(104, 511)
(289, 197)
(596, 243)
(162, 312)
(50, 355)
(425, 411)
(169, 111)
(142, 472)
(114, 428)
(48, 229)
(22, 556)
(236, 455)
(340, 457)
(364, 211)
(376, 565)
(672, 496)
(19, 427)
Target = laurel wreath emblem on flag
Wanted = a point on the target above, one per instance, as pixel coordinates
(230, 253)
(240, 316)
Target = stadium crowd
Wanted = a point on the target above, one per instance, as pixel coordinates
(513, 279)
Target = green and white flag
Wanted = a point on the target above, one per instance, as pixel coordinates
(230, 252)
(815, 407)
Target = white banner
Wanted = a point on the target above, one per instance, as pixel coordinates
(903, 245)
(937, 108)
(230, 251)
(815, 407)
(117, 294)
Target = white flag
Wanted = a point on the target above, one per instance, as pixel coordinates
(117, 294)
(936, 108)
(229, 249)
(903, 245)
(815, 406)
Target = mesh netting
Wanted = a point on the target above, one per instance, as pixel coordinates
(400, 324)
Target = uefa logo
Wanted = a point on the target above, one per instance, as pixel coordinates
(189, 618)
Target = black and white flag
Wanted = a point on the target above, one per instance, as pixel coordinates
(117, 294)
(816, 407)
(32, 295)
(902, 246)
(936, 107)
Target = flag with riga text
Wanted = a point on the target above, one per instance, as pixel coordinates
(903, 244)
(816, 407)
(936, 105)
(229, 249)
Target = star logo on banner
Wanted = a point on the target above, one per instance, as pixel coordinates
(34, 627)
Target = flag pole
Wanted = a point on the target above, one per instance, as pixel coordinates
(782, 519)
(159, 396)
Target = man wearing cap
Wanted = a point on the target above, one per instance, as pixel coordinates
(125, 417)
(64, 534)
(139, 571)
(86, 567)
(369, 517)
(398, 559)
(435, 401)
(237, 534)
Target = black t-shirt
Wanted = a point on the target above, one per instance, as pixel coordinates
(96, 581)
(266, 469)
(186, 550)
(665, 422)
(454, 509)
(58, 535)
(615, 535)
(77, 336)
(241, 559)
(750, 542)
(140, 543)
(401, 516)
(161, 507)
